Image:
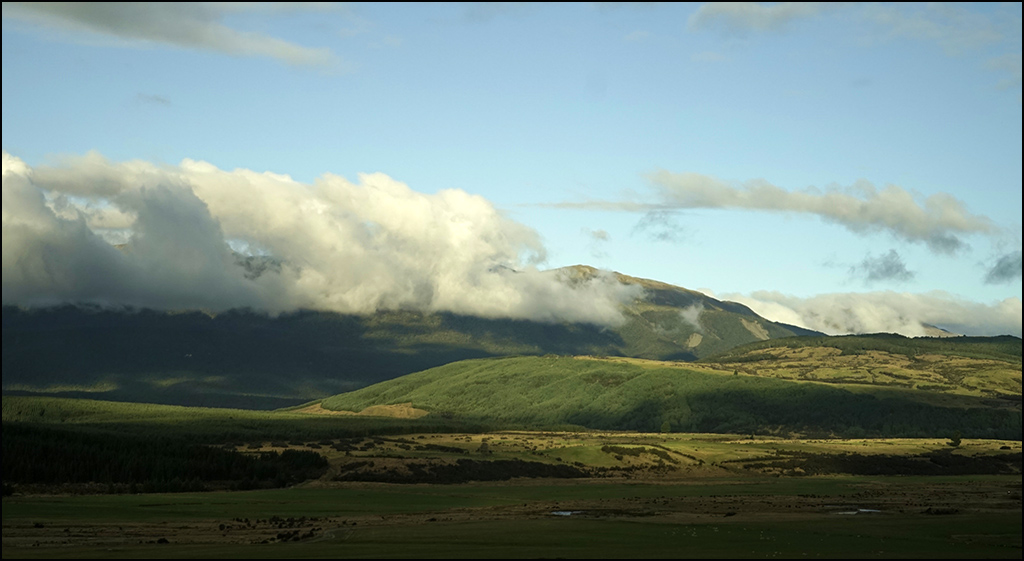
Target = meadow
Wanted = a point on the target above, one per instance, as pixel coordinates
(393, 488)
(712, 516)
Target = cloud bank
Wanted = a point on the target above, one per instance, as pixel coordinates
(887, 312)
(351, 247)
(192, 25)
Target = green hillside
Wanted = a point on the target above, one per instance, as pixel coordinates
(979, 366)
(637, 395)
(1005, 348)
(246, 359)
(205, 425)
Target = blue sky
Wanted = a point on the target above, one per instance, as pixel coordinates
(850, 167)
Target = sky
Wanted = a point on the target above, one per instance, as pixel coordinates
(843, 167)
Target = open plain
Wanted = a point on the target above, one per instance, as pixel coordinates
(619, 495)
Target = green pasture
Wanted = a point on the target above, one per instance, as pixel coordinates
(387, 499)
(951, 538)
(539, 534)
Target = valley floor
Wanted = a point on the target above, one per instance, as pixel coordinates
(835, 518)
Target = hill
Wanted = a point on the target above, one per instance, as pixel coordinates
(629, 394)
(979, 366)
(246, 359)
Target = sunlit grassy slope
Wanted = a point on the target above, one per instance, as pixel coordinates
(981, 366)
(650, 396)
(204, 424)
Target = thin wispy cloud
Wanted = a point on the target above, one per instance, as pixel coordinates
(743, 17)
(952, 27)
(638, 35)
(486, 11)
(152, 99)
(185, 25)
(660, 226)
(888, 267)
(940, 220)
(1006, 269)
(599, 240)
(597, 235)
(709, 57)
(862, 82)
(1009, 65)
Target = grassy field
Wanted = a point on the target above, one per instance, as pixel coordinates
(398, 487)
(831, 517)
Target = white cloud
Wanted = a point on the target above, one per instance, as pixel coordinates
(889, 312)
(342, 246)
(181, 24)
(691, 315)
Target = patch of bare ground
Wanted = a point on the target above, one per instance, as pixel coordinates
(755, 329)
(397, 411)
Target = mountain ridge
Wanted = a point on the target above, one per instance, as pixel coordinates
(242, 358)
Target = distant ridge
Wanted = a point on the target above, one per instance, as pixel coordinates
(241, 358)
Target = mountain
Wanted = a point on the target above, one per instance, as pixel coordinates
(242, 358)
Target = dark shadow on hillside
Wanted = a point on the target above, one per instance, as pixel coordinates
(808, 409)
(226, 360)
